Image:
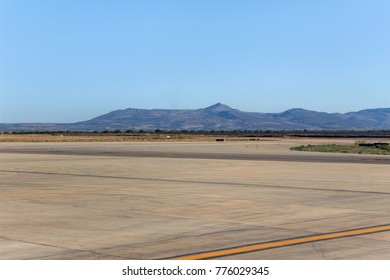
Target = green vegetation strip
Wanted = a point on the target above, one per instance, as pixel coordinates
(356, 149)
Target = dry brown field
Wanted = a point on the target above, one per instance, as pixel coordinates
(103, 138)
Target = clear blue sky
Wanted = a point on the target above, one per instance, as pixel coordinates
(71, 60)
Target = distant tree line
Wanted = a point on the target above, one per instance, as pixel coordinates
(240, 133)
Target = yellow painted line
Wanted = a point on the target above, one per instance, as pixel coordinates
(282, 243)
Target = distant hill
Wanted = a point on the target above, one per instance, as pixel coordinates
(220, 117)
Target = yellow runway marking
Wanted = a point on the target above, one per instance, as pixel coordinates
(282, 243)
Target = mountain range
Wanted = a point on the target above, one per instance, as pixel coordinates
(219, 117)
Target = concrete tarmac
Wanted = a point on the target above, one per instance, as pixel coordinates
(161, 200)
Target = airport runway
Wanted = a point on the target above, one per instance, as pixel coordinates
(212, 153)
(238, 200)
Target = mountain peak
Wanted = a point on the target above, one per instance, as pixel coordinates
(297, 110)
(218, 107)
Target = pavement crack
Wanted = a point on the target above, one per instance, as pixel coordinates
(69, 250)
(233, 184)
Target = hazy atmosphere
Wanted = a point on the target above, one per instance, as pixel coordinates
(66, 61)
